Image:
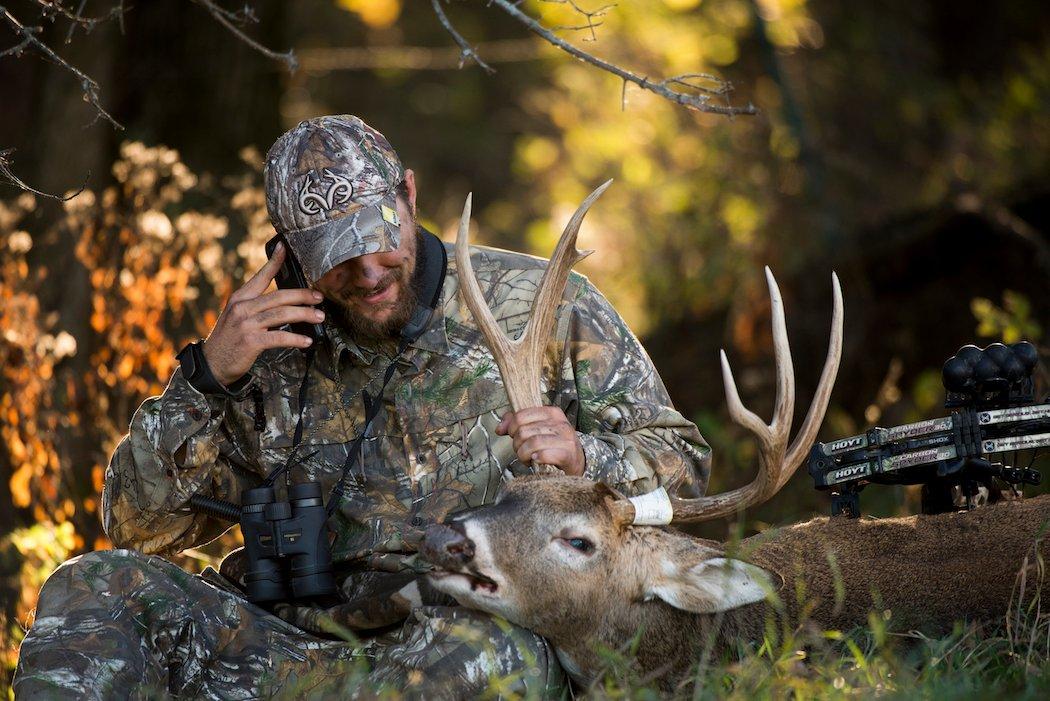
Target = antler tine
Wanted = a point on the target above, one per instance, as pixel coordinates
(777, 462)
(804, 440)
(472, 294)
(785, 376)
(784, 406)
(552, 286)
(737, 411)
(520, 361)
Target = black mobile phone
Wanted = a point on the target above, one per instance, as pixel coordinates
(291, 277)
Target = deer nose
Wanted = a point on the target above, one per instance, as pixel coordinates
(447, 545)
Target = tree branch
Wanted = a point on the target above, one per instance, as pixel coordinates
(589, 15)
(246, 15)
(88, 86)
(7, 174)
(50, 9)
(466, 52)
(664, 88)
(56, 8)
(29, 40)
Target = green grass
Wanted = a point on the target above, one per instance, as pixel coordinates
(1007, 659)
(1002, 659)
(973, 662)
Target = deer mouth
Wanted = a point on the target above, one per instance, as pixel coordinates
(454, 567)
(475, 580)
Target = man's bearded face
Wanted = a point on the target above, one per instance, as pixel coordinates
(374, 294)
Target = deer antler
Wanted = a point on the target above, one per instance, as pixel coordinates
(777, 460)
(520, 361)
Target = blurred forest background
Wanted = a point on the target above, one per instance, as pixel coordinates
(905, 144)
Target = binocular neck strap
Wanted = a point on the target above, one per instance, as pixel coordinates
(297, 437)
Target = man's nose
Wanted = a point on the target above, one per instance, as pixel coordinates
(447, 545)
(364, 271)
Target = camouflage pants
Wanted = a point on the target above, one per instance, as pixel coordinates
(119, 624)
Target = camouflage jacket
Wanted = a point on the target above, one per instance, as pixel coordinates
(432, 451)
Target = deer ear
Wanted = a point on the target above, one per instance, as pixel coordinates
(713, 585)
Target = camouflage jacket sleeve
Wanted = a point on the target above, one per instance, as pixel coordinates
(632, 436)
(171, 453)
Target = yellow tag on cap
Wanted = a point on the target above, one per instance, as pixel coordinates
(389, 215)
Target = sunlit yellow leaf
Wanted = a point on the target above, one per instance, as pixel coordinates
(681, 5)
(374, 13)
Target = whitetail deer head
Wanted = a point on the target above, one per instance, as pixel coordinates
(556, 554)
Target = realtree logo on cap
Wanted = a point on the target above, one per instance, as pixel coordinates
(339, 193)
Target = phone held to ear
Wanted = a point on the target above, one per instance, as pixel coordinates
(291, 277)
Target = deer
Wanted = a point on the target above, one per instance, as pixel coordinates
(588, 567)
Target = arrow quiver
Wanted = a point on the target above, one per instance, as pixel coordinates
(957, 458)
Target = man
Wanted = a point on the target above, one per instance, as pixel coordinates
(442, 439)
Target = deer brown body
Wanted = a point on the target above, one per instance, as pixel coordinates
(928, 571)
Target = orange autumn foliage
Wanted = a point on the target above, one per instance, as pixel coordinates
(151, 273)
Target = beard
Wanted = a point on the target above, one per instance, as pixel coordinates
(364, 328)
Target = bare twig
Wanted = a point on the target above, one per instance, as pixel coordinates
(664, 88)
(691, 81)
(589, 15)
(29, 40)
(18, 48)
(466, 51)
(50, 9)
(579, 28)
(7, 174)
(77, 19)
(246, 15)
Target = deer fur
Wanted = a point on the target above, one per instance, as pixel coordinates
(672, 589)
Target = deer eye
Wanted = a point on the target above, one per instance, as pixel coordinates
(582, 544)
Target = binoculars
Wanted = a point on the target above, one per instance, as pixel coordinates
(286, 543)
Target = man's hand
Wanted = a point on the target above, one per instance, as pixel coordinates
(243, 330)
(544, 436)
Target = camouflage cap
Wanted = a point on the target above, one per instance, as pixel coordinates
(330, 189)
